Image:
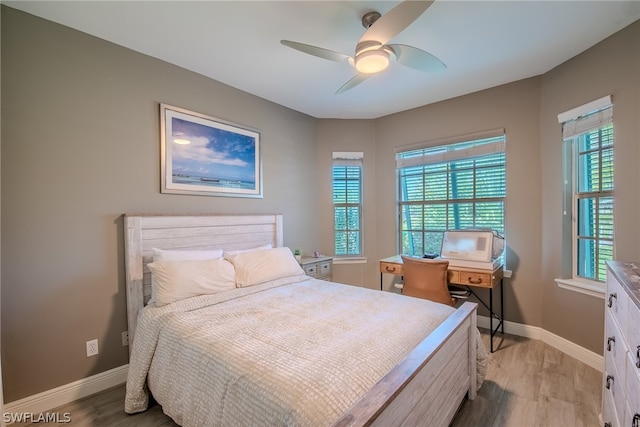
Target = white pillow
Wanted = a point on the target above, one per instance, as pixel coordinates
(186, 255)
(175, 280)
(259, 248)
(261, 266)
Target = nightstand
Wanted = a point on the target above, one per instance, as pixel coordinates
(319, 268)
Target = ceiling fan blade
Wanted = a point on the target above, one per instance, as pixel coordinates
(317, 51)
(393, 22)
(417, 59)
(355, 81)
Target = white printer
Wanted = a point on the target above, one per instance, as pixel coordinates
(472, 248)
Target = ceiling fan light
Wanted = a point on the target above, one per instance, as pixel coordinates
(372, 61)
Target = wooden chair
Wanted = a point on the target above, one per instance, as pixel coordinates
(426, 278)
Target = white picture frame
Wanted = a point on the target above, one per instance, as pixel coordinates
(204, 155)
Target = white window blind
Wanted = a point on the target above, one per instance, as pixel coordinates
(599, 119)
(450, 153)
(580, 120)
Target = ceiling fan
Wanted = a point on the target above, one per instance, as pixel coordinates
(372, 53)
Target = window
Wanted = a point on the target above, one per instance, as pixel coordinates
(347, 204)
(589, 171)
(454, 186)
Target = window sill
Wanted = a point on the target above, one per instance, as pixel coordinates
(583, 286)
(350, 260)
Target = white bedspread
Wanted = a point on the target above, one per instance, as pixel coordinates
(296, 351)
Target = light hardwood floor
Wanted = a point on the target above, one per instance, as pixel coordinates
(528, 384)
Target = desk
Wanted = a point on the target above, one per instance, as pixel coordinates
(463, 276)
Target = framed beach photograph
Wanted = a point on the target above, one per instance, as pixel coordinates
(203, 155)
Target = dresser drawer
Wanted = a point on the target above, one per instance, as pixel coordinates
(633, 392)
(324, 269)
(633, 331)
(631, 418)
(614, 345)
(311, 270)
(609, 415)
(616, 301)
(614, 383)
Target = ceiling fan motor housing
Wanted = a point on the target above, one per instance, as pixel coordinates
(369, 18)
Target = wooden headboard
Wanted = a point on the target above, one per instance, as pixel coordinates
(144, 232)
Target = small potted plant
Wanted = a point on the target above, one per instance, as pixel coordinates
(298, 254)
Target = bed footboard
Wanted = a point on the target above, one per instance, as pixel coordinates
(427, 387)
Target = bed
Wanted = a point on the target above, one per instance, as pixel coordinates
(278, 347)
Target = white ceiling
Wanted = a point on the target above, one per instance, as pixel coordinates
(483, 44)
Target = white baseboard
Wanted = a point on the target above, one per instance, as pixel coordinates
(67, 393)
(585, 356)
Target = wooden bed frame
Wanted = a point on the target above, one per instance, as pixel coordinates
(426, 388)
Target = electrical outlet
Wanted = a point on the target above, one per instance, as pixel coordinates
(125, 338)
(92, 348)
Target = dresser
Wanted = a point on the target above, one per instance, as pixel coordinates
(319, 268)
(621, 379)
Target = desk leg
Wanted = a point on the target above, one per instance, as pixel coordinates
(492, 313)
(380, 280)
(491, 331)
(501, 306)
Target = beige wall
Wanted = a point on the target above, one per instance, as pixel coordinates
(80, 147)
(610, 68)
(348, 135)
(513, 107)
